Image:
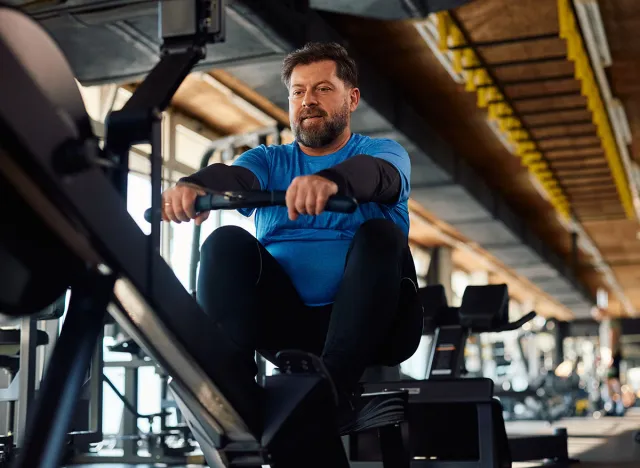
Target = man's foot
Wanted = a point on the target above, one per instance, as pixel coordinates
(292, 361)
(355, 411)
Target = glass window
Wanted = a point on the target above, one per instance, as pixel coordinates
(180, 250)
(190, 146)
(139, 199)
(233, 218)
(416, 366)
(459, 282)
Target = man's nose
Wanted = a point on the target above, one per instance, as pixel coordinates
(309, 99)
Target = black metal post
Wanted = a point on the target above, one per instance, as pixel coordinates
(56, 403)
(156, 193)
(195, 243)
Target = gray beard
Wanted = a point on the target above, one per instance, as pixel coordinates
(324, 134)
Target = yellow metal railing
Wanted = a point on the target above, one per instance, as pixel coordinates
(576, 52)
(490, 97)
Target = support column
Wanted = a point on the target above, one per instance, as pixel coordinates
(560, 333)
(441, 269)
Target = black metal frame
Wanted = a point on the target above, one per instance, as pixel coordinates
(445, 387)
(50, 420)
(92, 291)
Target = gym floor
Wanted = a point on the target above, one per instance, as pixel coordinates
(597, 443)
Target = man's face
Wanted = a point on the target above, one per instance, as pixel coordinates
(320, 104)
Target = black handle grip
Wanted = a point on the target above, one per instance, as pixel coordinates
(257, 199)
(517, 324)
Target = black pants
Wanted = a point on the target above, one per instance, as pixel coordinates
(376, 318)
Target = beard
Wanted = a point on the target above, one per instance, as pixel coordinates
(322, 133)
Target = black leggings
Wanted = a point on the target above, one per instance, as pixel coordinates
(376, 318)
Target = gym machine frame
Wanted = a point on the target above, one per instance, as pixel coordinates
(184, 44)
(483, 310)
(59, 184)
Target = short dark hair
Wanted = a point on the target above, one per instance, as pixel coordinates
(313, 52)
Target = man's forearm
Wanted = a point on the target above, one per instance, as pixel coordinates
(221, 177)
(366, 178)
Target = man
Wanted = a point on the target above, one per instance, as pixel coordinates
(341, 286)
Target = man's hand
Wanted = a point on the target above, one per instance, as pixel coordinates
(178, 204)
(309, 195)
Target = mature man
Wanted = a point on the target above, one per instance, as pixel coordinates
(341, 286)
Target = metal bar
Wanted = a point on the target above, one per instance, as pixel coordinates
(586, 154)
(537, 97)
(517, 63)
(556, 110)
(26, 376)
(572, 147)
(59, 392)
(155, 137)
(564, 136)
(582, 176)
(579, 190)
(195, 243)
(129, 419)
(528, 81)
(598, 185)
(560, 124)
(102, 460)
(95, 389)
(594, 197)
(506, 41)
(578, 163)
(607, 217)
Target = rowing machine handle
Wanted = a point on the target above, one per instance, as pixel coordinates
(517, 324)
(237, 200)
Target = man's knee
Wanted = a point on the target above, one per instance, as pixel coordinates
(227, 242)
(380, 235)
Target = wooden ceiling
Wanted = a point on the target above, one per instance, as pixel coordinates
(533, 72)
(552, 107)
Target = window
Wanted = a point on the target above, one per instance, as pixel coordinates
(139, 199)
(459, 282)
(190, 146)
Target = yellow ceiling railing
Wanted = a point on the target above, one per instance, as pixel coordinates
(491, 98)
(577, 53)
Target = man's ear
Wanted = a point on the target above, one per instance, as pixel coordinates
(355, 99)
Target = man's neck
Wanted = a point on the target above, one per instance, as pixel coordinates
(334, 146)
